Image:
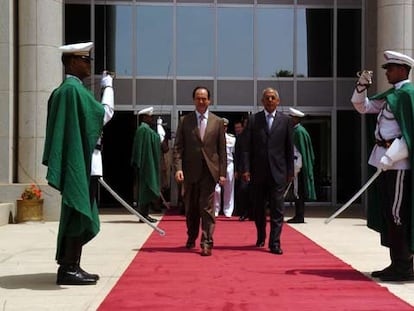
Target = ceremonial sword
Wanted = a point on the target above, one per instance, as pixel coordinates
(356, 195)
(129, 208)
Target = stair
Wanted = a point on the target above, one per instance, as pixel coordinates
(6, 213)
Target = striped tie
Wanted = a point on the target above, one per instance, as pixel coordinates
(269, 120)
(203, 125)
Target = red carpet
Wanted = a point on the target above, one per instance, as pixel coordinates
(166, 276)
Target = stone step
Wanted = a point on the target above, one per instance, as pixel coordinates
(6, 213)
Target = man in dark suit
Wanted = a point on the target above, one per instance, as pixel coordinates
(268, 165)
(200, 162)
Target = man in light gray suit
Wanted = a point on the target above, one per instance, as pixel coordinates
(268, 165)
(200, 161)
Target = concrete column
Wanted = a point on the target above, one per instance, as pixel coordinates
(40, 28)
(6, 90)
(395, 32)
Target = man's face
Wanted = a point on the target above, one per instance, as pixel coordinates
(238, 128)
(201, 100)
(270, 101)
(147, 119)
(395, 73)
(81, 66)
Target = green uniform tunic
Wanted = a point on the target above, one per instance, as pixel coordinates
(146, 157)
(303, 143)
(74, 124)
(401, 102)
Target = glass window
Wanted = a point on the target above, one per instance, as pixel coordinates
(226, 94)
(314, 42)
(315, 93)
(344, 90)
(154, 92)
(154, 40)
(235, 42)
(349, 42)
(195, 41)
(113, 34)
(185, 91)
(274, 42)
(349, 168)
(77, 23)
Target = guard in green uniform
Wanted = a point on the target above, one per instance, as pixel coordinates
(74, 125)
(146, 159)
(304, 184)
(393, 153)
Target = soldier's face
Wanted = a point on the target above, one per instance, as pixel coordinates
(395, 73)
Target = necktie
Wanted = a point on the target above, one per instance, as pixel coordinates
(203, 125)
(269, 120)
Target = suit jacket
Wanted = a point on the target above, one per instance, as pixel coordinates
(269, 149)
(190, 150)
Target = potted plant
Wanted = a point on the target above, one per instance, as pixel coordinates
(30, 205)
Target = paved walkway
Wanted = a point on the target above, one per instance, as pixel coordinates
(28, 271)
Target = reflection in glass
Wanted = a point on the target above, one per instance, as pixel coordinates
(349, 42)
(315, 42)
(235, 42)
(113, 34)
(154, 40)
(195, 41)
(274, 42)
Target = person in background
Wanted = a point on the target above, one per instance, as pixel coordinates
(72, 155)
(393, 155)
(165, 165)
(228, 187)
(268, 164)
(200, 163)
(242, 194)
(146, 158)
(304, 185)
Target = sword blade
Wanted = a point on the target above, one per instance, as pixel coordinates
(356, 196)
(287, 189)
(128, 207)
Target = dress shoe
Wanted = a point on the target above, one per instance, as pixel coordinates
(205, 251)
(242, 218)
(397, 277)
(276, 250)
(378, 273)
(296, 220)
(149, 218)
(72, 275)
(260, 243)
(88, 275)
(190, 244)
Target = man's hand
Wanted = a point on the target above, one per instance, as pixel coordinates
(179, 176)
(364, 81)
(222, 180)
(107, 80)
(385, 163)
(246, 176)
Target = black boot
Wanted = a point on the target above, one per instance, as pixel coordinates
(70, 272)
(72, 275)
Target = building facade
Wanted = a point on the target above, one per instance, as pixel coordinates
(309, 50)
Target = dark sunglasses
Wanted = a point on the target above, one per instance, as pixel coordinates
(86, 59)
(270, 97)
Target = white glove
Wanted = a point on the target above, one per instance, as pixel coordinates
(364, 81)
(160, 129)
(385, 163)
(396, 152)
(297, 160)
(106, 80)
